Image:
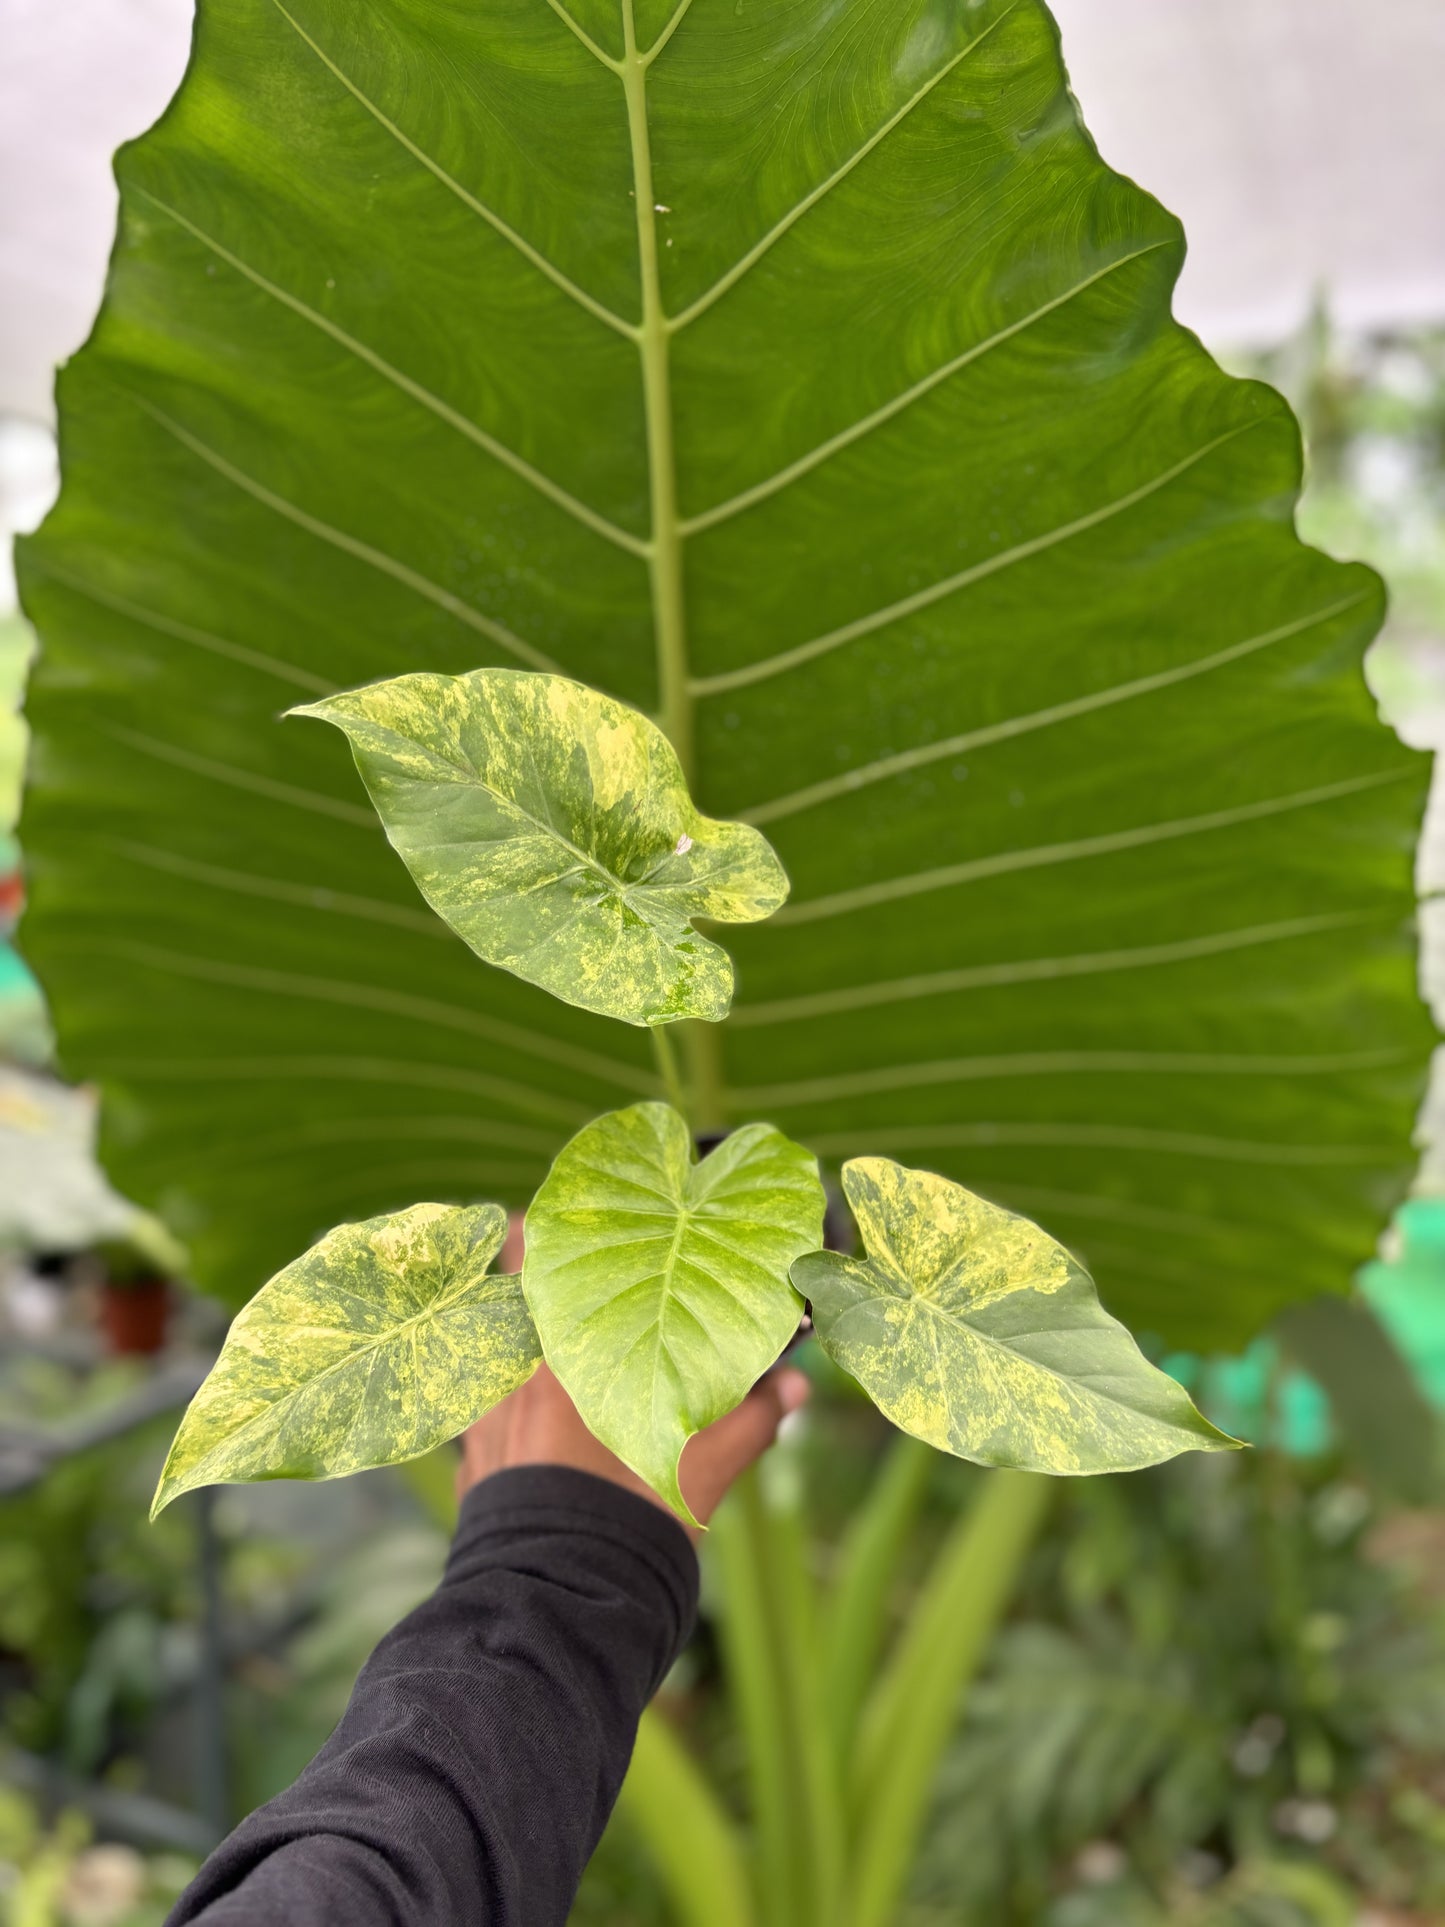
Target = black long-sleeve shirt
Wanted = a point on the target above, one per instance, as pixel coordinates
(486, 1739)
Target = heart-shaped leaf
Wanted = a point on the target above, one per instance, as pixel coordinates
(659, 1284)
(383, 1340)
(552, 828)
(974, 1330)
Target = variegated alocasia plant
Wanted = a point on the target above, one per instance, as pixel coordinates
(552, 829)
(797, 373)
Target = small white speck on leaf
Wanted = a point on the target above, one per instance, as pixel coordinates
(659, 208)
(684, 844)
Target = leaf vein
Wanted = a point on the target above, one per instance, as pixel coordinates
(351, 545)
(185, 632)
(1043, 855)
(815, 457)
(911, 605)
(508, 233)
(1014, 726)
(535, 478)
(821, 1090)
(787, 1010)
(741, 267)
(584, 37)
(422, 1010)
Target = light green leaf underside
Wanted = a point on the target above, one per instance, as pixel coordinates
(659, 1285)
(385, 1339)
(552, 829)
(973, 1330)
(971, 577)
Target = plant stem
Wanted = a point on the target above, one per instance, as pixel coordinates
(669, 613)
(665, 557)
(671, 1075)
(703, 1044)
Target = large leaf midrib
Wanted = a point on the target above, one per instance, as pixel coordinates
(662, 550)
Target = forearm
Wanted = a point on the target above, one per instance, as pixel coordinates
(486, 1739)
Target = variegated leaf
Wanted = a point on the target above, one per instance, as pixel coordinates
(385, 1339)
(972, 1329)
(551, 827)
(660, 1284)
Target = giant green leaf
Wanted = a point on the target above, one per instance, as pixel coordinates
(810, 381)
(385, 1339)
(659, 1284)
(552, 829)
(975, 1331)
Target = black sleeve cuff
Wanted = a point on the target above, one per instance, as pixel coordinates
(547, 1501)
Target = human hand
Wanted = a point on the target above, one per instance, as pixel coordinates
(539, 1425)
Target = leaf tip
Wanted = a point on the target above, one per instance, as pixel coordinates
(671, 1491)
(166, 1489)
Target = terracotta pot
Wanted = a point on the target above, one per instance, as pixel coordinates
(133, 1315)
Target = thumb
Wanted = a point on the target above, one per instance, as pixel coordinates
(714, 1458)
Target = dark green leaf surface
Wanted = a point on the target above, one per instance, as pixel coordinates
(809, 381)
(551, 828)
(977, 1332)
(659, 1285)
(380, 1343)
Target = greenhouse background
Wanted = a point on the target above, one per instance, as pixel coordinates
(1250, 1729)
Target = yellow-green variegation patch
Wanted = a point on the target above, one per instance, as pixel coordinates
(385, 1339)
(972, 1329)
(659, 1284)
(551, 827)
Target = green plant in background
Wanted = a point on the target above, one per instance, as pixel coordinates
(818, 395)
(1220, 1690)
(54, 1877)
(24, 1033)
(90, 1613)
(1373, 414)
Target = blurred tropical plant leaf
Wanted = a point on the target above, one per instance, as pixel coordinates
(383, 1340)
(1375, 1399)
(659, 1284)
(552, 829)
(973, 1330)
(15, 650)
(819, 394)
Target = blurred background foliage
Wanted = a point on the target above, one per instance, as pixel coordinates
(1218, 1698)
